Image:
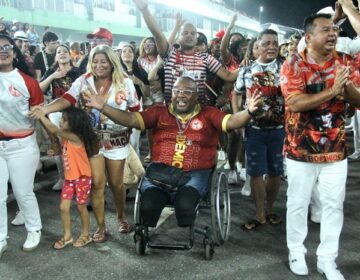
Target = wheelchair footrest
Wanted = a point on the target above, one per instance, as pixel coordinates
(170, 246)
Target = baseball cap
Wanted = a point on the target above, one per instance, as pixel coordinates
(21, 35)
(102, 33)
(15, 21)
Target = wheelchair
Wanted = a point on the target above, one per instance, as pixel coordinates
(216, 203)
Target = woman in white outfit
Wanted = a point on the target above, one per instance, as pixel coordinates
(19, 151)
(104, 76)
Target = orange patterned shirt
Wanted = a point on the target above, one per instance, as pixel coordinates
(317, 135)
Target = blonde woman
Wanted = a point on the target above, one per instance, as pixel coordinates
(104, 76)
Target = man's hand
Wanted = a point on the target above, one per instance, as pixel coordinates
(254, 102)
(141, 4)
(94, 100)
(346, 5)
(341, 78)
(339, 13)
(179, 21)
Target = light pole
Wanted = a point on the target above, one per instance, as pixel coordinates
(261, 9)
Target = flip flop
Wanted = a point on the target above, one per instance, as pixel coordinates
(62, 243)
(82, 241)
(251, 225)
(273, 219)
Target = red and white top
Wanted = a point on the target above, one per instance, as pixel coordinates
(18, 92)
(114, 138)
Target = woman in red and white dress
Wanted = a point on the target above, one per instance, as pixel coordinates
(105, 76)
(19, 151)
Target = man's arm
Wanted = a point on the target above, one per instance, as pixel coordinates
(241, 118)
(301, 102)
(124, 118)
(161, 42)
(178, 23)
(226, 75)
(224, 52)
(352, 14)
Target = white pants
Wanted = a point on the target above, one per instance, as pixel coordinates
(18, 162)
(330, 179)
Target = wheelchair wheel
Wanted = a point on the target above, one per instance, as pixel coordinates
(209, 249)
(140, 244)
(220, 207)
(137, 204)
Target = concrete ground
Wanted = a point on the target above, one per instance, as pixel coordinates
(260, 255)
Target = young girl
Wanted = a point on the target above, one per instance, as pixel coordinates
(79, 142)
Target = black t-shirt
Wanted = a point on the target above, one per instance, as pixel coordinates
(83, 65)
(62, 85)
(39, 63)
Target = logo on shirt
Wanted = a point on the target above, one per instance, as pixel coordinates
(14, 92)
(196, 124)
(120, 97)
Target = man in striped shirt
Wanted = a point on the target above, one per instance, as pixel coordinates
(184, 61)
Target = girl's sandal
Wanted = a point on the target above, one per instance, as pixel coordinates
(82, 241)
(100, 236)
(62, 243)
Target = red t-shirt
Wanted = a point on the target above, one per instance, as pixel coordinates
(316, 135)
(195, 148)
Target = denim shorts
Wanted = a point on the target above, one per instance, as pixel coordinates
(199, 180)
(264, 151)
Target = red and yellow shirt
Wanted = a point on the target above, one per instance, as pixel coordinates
(316, 135)
(195, 147)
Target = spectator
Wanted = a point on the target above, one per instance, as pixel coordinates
(20, 151)
(315, 144)
(45, 59)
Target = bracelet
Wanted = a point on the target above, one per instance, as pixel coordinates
(251, 114)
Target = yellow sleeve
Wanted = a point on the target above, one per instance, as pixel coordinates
(224, 122)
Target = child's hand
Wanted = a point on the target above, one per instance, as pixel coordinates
(37, 112)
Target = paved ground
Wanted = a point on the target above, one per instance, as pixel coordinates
(256, 255)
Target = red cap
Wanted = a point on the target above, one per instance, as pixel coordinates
(220, 34)
(102, 33)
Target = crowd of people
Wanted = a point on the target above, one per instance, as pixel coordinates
(268, 105)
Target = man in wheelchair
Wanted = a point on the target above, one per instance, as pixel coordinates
(185, 137)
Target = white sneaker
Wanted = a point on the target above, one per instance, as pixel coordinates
(58, 185)
(242, 174)
(238, 166)
(227, 165)
(32, 240)
(221, 155)
(232, 177)
(330, 270)
(3, 247)
(297, 264)
(354, 155)
(19, 219)
(246, 189)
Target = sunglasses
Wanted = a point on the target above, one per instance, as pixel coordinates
(6, 48)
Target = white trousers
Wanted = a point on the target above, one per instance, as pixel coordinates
(330, 179)
(18, 162)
